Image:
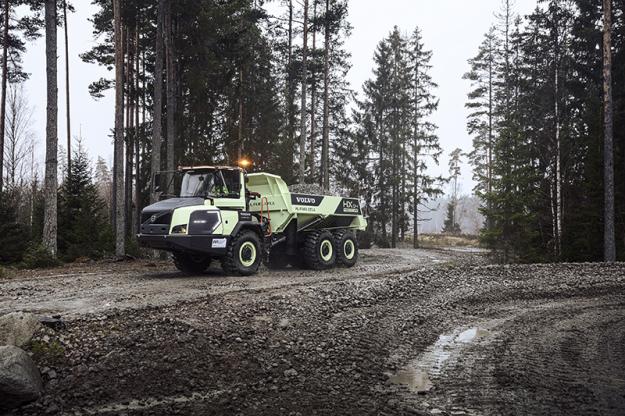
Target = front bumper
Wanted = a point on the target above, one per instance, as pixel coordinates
(214, 245)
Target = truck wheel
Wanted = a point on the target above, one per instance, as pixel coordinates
(347, 248)
(191, 264)
(319, 250)
(244, 254)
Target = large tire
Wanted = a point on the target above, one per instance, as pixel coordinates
(346, 248)
(190, 263)
(243, 255)
(319, 250)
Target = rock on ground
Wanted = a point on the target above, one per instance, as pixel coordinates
(20, 381)
(17, 328)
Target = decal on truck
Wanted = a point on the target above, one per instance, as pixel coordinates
(307, 200)
(348, 206)
(245, 216)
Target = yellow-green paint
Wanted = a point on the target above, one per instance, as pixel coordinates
(281, 210)
(229, 220)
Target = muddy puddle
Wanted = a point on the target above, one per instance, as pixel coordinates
(417, 376)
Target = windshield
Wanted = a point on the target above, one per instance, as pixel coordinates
(214, 184)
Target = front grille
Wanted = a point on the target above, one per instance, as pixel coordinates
(155, 222)
(157, 218)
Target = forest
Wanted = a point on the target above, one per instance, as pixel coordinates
(213, 82)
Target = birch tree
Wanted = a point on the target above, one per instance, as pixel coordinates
(19, 136)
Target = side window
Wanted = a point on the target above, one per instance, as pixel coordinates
(233, 183)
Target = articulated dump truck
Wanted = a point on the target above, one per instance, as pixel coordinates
(223, 213)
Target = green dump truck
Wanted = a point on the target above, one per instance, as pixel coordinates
(223, 213)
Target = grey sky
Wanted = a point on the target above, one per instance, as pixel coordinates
(453, 29)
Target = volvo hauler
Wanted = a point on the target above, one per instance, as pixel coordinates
(223, 213)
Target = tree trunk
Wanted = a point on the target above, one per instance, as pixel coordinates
(402, 193)
(325, 146)
(489, 186)
(50, 188)
(558, 193)
(170, 60)
(557, 219)
(118, 167)
(129, 130)
(415, 151)
(157, 123)
(313, 102)
(67, 98)
(609, 244)
(137, 198)
(304, 76)
(5, 77)
(240, 130)
(291, 86)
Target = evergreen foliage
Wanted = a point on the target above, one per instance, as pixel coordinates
(536, 120)
(83, 228)
(385, 158)
(14, 235)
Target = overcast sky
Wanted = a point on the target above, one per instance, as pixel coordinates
(453, 29)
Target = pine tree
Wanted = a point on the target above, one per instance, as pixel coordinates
(608, 110)
(51, 182)
(391, 156)
(118, 163)
(83, 230)
(481, 119)
(424, 143)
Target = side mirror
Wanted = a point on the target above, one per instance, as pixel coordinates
(156, 182)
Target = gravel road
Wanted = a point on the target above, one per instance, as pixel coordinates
(404, 332)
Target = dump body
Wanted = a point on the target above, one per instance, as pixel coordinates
(310, 211)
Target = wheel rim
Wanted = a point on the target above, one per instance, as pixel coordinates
(349, 250)
(247, 254)
(325, 249)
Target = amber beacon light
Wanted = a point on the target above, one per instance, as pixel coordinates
(245, 163)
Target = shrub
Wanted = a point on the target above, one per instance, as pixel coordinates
(14, 240)
(38, 257)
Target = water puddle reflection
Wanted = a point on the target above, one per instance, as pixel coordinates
(416, 375)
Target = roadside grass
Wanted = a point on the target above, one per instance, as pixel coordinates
(446, 240)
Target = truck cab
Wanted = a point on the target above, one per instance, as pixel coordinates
(199, 223)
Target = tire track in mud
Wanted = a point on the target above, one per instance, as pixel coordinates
(331, 347)
(553, 358)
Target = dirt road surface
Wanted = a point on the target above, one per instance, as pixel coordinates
(404, 332)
